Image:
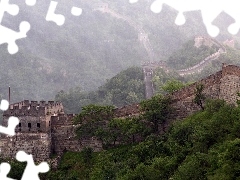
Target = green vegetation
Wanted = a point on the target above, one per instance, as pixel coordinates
(91, 48)
(156, 111)
(167, 82)
(205, 145)
(98, 121)
(189, 55)
(199, 96)
(173, 85)
(202, 146)
(125, 88)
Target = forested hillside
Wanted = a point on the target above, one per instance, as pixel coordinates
(88, 49)
(189, 55)
(202, 146)
(128, 86)
(125, 88)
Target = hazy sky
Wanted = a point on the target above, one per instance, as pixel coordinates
(210, 9)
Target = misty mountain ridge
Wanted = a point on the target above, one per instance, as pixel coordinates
(91, 48)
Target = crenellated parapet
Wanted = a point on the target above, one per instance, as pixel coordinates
(34, 116)
(34, 108)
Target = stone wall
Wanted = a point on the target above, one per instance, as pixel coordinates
(64, 137)
(34, 116)
(224, 84)
(230, 84)
(200, 40)
(37, 144)
(126, 111)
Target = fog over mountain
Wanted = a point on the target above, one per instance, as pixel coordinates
(89, 49)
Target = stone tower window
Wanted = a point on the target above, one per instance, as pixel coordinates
(29, 126)
(38, 125)
(19, 125)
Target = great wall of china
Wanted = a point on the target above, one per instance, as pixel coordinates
(44, 129)
(224, 84)
(148, 67)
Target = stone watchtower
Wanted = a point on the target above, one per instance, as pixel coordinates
(33, 133)
(43, 129)
(34, 117)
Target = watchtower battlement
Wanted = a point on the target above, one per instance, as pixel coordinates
(34, 116)
(34, 108)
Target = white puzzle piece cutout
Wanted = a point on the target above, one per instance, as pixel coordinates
(11, 9)
(31, 171)
(4, 170)
(76, 11)
(209, 10)
(51, 16)
(7, 35)
(10, 130)
(30, 2)
(4, 105)
(12, 121)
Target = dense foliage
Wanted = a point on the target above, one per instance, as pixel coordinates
(125, 88)
(156, 110)
(99, 121)
(202, 146)
(189, 55)
(167, 82)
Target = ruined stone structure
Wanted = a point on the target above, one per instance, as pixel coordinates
(43, 130)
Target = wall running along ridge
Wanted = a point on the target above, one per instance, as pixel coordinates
(52, 131)
(224, 84)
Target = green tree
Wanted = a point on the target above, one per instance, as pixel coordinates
(156, 110)
(199, 96)
(172, 85)
(93, 119)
